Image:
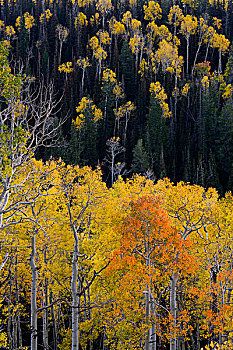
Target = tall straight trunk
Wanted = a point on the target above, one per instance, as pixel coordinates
(147, 295)
(54, 322)
(147, 340)
(173, 309)
(220, 62)
(112, 167)
(45, 317)
(195, 59)
(9, 319)
(150, 342)
(75, 299)
(17, 300)
(33, 294)
(153, 328)
(89, 316)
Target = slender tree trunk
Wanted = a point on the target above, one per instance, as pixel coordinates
(54, 322)
(75, 300)
(195, 59)
(220, 62)
(45, 317)
(33, 294)
(173, 308)
(9, 319)
(112, 167)
(18, 325)
(207, 51)
(82, 86)
(153, 327)
(187, 63)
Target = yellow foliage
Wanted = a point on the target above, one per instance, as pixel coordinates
(136, 43)
(135, 25)
(83, 3)
(2, 25)
(205, 83)
(116, 27)
(95, 19)
(159, 94)
(109, 76)
(188, 26)
(185, 89)
(175, 14)
(3, 340)
(104, 37)
(118, 91)
(143, 67)
(228, 92)
(44, 17)
(82, 19)
(66, 67)
(62, 32)
(126, 109)
(10, 31)
(94, 43)
(164, 33)
(221, 42)
(127, 17)
(87, 109)
(153, 11)
(18, 22)
(83, 63)
(29, 21)
(217, 22)
(167, 56)
(104, 6)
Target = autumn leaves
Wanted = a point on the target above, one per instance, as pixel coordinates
(140, 262)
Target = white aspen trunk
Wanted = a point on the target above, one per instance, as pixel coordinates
(105, 114)
(195, 59)
(9, 319)
(17, 299)
(150, 341)
(4, 198)
(33, 294)
(207, 51)
(147, 340)
(54, 322)
(45, 317)
(116, 120)
(14, 332)
(153, 328)
(173, 308)
(126, 126)
(60, 51)
(112, 166)
(82, 86)
(220, 62)
(187, 63)
(75, 299)
(5, 259)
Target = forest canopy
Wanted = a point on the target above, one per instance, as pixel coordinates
(156, 75)
(116, 165)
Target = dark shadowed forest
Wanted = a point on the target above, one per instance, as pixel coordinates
(116, 170)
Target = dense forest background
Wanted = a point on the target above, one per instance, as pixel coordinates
(116, 165)
(111, 53)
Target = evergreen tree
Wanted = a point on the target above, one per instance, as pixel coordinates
(140, 162)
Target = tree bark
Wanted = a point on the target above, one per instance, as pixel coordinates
(173, 309)
(75, 299)
(33, 294)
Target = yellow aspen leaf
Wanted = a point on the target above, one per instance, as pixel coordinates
(66, 67)
(153, 11)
